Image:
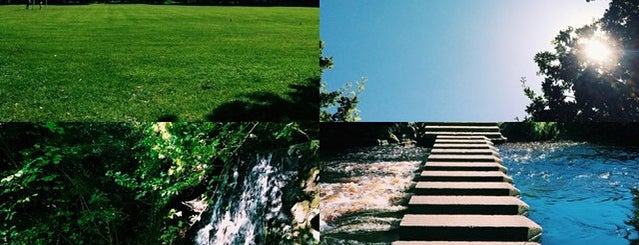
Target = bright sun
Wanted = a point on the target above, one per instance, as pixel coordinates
(598, 51)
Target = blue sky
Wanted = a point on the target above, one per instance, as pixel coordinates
(444, 60)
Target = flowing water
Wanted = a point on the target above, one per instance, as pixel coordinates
(364, 191)
(250, 200)
(580, 193)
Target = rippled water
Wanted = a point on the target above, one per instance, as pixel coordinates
(362, 192)
(578, 192)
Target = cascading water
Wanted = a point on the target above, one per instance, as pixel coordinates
(249, 200)
(362, 193)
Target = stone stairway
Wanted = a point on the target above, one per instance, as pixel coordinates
(454, 130)
(464, 197)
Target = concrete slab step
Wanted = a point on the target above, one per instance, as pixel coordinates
(436, 150)
(495, 137)
(461, 243)
(463, 158)
(467, 137)
(465, 188)
(465, 176)
(462, 124)
(465, 166)
(473, 128)
(464, 133)
(464, 146)
(505, 205)
(464, 141)
(468, 228)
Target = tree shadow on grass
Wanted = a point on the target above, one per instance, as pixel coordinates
(168, 118)
(303, 105)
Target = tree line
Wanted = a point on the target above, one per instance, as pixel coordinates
(298, 3)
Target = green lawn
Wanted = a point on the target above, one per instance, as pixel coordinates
(149, 62)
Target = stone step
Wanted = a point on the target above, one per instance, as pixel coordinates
(495, 137)
(472, 128)
(506, 205)
(468, 228)
(465, 188)
(463, 151)
(465, 176)
(464, 146)
(464, 141)
(465, 166)
(463, 158)
(461, 243)
(464, 133)
(462, 137)
(462, 124)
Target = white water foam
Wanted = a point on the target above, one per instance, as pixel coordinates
(256, 199)
(380, 187)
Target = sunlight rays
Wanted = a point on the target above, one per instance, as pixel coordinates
(598, 49)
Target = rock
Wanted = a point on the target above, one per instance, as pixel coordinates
(310, 185)
(392, 138)
(300, 210)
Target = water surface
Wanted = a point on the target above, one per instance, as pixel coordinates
(364, 191)
(578, 192)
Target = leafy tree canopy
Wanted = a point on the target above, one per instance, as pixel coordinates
(593, 72)
(339, 105)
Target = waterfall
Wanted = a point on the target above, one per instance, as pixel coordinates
(249, 199)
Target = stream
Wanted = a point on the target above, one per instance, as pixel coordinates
(364, 191)
(580, 193)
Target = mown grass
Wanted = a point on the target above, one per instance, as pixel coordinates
(148, 62)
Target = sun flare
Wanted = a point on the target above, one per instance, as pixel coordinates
(598, 51)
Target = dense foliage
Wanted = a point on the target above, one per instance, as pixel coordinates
(53, 187)
(577, 87)
(530, 131)
(120, 183)
(339, 105)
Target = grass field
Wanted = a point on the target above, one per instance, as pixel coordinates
(152, 62)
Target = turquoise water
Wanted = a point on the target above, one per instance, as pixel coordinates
(579, 193)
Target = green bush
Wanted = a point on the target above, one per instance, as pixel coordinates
(123, 183)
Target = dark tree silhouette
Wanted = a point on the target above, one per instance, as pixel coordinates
(580, 88)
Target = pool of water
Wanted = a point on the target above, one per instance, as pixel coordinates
(364, 192)
(580, 193)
